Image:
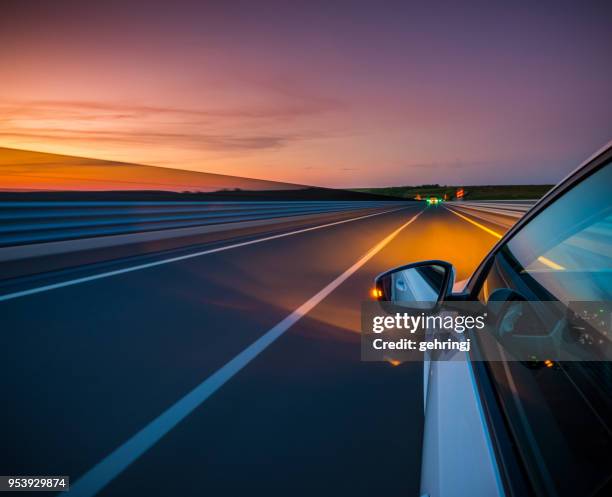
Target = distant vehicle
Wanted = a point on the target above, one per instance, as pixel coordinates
(433, 201)
(502, 428)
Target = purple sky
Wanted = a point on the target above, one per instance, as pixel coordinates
(330, 93)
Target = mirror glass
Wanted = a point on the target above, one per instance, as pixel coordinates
(418, 285)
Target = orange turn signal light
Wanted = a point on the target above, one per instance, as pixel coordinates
(376, 293)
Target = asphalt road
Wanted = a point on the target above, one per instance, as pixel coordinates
(85, 367)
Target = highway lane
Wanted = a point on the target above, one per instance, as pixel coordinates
(87, 366)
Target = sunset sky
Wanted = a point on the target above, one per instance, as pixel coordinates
(330, 93)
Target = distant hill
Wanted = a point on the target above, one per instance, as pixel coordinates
(313, 193)
(28, 175)
(475, 192)
(23, 170)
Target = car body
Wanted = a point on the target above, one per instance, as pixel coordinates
(503, 428)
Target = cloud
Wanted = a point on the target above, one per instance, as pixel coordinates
(214, 129)
(456, 164)
(102, 110)
(191, 140)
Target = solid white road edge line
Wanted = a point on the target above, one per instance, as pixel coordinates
(54, 286)
(117, 461)
(478, 225)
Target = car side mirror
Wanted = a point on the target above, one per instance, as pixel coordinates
(422, 284)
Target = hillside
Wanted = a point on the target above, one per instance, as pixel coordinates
(28, 175)
(476, 192)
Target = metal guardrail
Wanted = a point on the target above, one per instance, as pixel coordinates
(511, 208)
(501, 212)
(36, 222)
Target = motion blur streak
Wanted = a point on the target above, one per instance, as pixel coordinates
(85, 279)
(551, 264)
(105, 471)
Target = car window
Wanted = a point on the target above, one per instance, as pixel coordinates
(560, 414)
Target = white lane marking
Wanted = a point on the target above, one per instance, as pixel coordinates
(117, 461)
(116, 272)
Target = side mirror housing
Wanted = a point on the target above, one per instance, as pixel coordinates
(421, 284)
